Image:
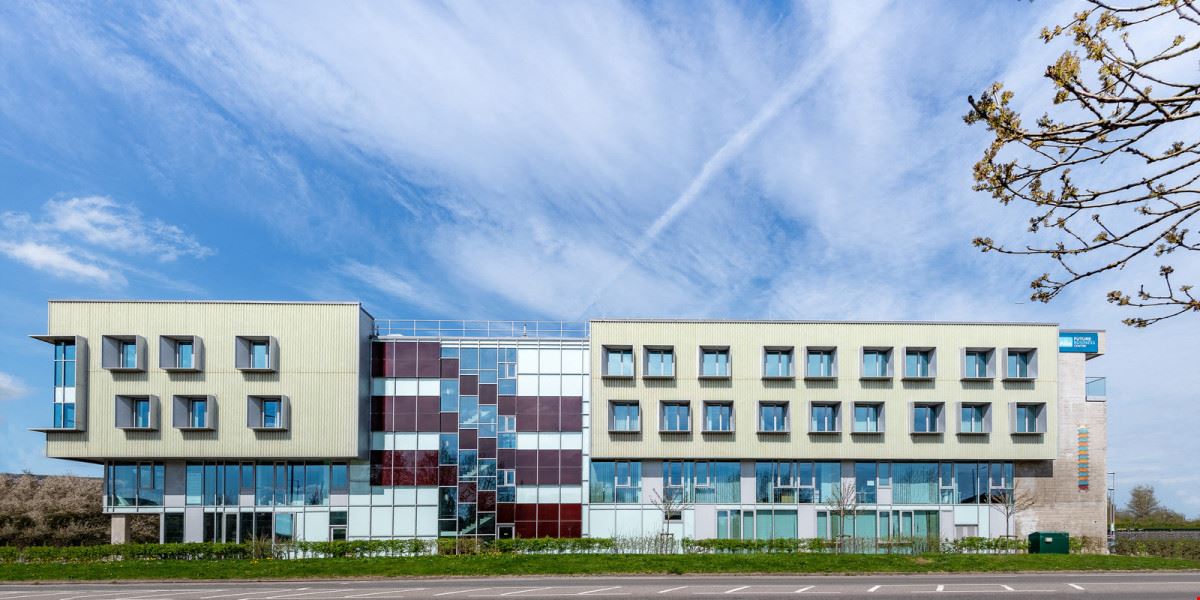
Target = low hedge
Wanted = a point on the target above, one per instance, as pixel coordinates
(211, 551)
(1181, 548)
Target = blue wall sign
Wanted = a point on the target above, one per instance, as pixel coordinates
(1075, 341)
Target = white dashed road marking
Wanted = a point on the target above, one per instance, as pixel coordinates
(462, 591)
(736, 589)
(674, 589)
(1078, 587)
(369, 594)
(598, 591)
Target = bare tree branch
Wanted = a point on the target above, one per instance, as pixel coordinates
(1112, 106)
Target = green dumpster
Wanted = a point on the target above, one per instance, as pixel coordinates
(1049, 542)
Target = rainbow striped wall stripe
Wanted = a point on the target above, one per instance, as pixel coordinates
(1083, 459)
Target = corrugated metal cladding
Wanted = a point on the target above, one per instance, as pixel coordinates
(319, 371)
(747, 340)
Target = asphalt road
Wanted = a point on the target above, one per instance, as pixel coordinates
(1078, 585)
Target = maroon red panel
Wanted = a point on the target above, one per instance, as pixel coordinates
(487, 447)
(487, 393)
(429, 355)
(468, 385)
(468, 438)
(404, 417)
(449, 368)
(527, 413)
(548, 410)
(449, 422)
(427, 476)
(571, 417)
(378, 349)
(487, 500)
(404, 361)
(506, 405)
(427, 459)
(448, 475)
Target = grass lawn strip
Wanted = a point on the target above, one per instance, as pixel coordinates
(578, 564)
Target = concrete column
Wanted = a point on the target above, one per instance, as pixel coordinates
(121, 529)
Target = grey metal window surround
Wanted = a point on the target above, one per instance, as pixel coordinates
(718, 416)
(114, 356)
(255, 413)
(966, 420)
(875, 413)
(978, 363)
(825, 417)
(181, 413)
(169, 356)
(920, 363)
(716, 362)
(1027, 418)
(617, 362)
(658, 362)
(81, 381)
(773, 418)
(820, 362)
(624, 416)
(779, 362)
(244, 353)
(126, 417)
(1020, 364)
(927, 418)
(875, 363)
(675, 416)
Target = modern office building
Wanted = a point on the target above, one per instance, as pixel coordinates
(315, 421)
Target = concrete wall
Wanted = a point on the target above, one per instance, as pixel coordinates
(1061, 504)
(746, 387)
(321, 348)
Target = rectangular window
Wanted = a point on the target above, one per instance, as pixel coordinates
(975, 364)
(714, 362)
(141, 413)
(972, 419)
(624, 416)
(271, 414)
(618, 362)
(865, 478)
(183, 355)
(675, 417)
(866, 418)
(777, 362)
(926, 418)
(875, 363)
(260, 355)
(918, 363)
(1028, 418)
(64, 382)
(198, 413)
(772, 417)
(615, 481)
(824, 418)
(1019, 364)
(129, 355)
(718, 416)
(819, 363)
(660, 362)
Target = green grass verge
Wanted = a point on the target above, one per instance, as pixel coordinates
(591, 564)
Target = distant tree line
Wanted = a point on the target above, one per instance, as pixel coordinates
(54, 510)
(1145, 511)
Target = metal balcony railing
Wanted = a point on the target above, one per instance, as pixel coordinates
(482, 329)
(1097, 387)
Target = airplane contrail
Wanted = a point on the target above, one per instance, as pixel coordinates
(799, 83)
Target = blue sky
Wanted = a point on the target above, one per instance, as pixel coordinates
(518, 160)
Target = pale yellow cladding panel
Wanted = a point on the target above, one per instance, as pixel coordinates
(746, 388)
(320, 346)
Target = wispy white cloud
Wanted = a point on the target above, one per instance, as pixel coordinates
(11, 388)
(58, 261)
(93, 238)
